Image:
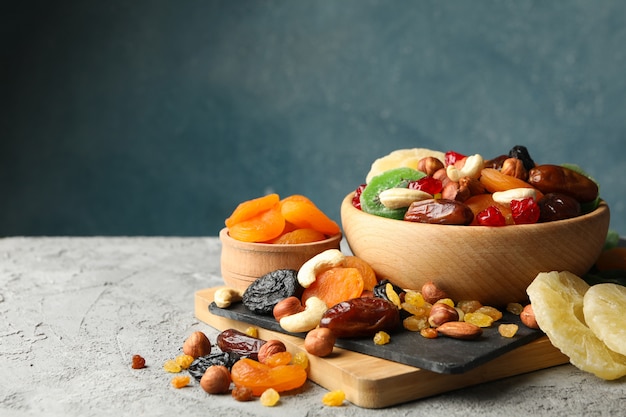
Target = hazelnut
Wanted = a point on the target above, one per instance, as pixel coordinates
(527, 316)
(320, 342)
(216, 380)
(441, 313)
(269, 348)
(432, 293)
(455, 191)
(196, 345)
(429, 165)
(287, 307)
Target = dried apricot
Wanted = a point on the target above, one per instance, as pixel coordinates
(259, 377)
(493, 180)
(335, 285)
(367, 272)
(263, 227)
(299, 236)
(251, 208)
(479, 202)
(302, 212)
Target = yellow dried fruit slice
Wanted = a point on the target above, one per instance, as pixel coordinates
(401, 158)
(557, 300)
(604, 307)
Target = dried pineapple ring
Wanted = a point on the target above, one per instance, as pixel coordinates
(401, 158)
(604, 306)
(557, 300)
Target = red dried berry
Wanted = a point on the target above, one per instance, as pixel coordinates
(451, 157)
(491, 216)
(429, 185)
(356, 199)
(525, 211)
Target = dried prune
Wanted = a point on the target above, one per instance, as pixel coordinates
(232, 340)
(361, 317)
(521, 153)
(554, 206)
(266, 291)
(380, 290)
(200, 364)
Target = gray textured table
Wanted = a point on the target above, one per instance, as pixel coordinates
(74, 310)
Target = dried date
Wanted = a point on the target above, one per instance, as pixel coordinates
(234, 341)
(361, 317)
(266, 291)
(563, 180)
(439, 211)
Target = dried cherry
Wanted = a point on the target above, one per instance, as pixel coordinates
(265, 292)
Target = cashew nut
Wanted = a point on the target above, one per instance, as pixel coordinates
(395, 198)
(505, 197)
(308, 319)
(472, 167)
(330, 258)
(225, 296)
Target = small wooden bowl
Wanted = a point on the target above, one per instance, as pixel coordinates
(493, 265)
(243, 262)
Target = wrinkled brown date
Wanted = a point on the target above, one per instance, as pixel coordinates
(361, 317)
(439, 211)
(559, 179)
(234, 341)
(554, 206)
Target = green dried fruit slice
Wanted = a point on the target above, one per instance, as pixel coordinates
(397, 177)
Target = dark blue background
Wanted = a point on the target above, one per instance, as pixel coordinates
(159, 117)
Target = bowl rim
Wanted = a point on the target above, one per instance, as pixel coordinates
(601, 210)
(273, 247)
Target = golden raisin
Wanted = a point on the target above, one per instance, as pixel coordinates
(252, 331)
(415, 323)
(469, 306)
(507, 330)
(334, 398)
(479, 319)
(492, 312)
(180, 381)
(171, 366)
(415, 298)
(138, 362)
(381, 338)
(301, 359)
(392, 295)
(514, 308)
(270, 397)
(429, 333)
(184, 361)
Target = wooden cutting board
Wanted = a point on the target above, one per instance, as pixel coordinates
(372, 382)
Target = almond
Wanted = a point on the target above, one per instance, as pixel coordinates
(460, 330)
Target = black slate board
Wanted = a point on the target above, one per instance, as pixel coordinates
(441, 355)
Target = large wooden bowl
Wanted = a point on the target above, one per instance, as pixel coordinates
(243, 262)
(491, 264)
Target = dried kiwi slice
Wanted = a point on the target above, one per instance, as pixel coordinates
(397, 177)
(557, 299)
